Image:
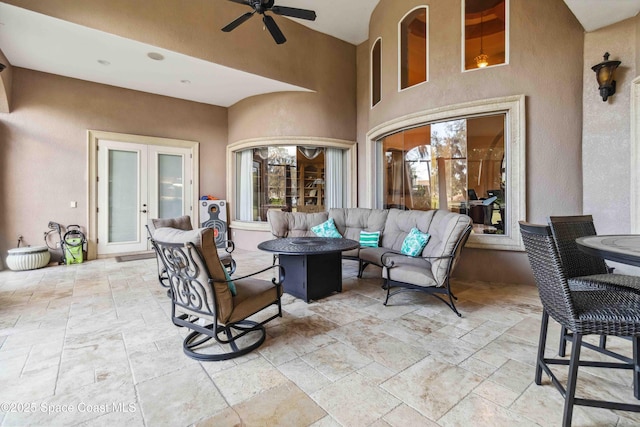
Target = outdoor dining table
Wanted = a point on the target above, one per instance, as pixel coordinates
(623, 248)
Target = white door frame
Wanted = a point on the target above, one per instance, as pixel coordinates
(94, 136)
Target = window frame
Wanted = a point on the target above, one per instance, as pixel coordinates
(515, 152)
(371, 104)
(506, 39)
(352, 158)
(426, 77)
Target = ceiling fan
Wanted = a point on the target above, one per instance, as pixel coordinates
(262, 6)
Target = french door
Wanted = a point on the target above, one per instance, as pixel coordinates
(137, 182)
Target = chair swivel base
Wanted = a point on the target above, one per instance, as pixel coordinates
(193, 343)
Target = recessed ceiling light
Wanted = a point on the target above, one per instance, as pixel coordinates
(155, 56)
(103, 62)
(185, 81)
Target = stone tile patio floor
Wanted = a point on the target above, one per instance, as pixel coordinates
(93, 345)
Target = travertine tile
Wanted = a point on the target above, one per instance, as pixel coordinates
(483, 413)
(179, 398)
(336, 360)
(431, 386)
(404, 415)
(247, 380)
(281, 406)
(304, 376)
(355, 401)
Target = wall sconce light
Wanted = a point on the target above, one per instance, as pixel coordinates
(604, 75)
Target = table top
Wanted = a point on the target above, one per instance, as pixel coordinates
(307, 245)
(624, 248)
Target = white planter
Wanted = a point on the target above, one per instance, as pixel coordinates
(28, 258)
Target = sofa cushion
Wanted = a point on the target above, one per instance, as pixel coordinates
(415, 274)
(399, 223)
(326, 229)
(294, 224)
(351, 221)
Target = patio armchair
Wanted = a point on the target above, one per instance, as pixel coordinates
(205, 300)
(584, 312)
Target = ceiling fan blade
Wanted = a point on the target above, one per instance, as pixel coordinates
(294, 12)
(247, 2)
(273, 29)
(237, 21)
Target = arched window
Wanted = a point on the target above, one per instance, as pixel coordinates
(413, 48)
(376, 58)
(467, 158)
(485, 33)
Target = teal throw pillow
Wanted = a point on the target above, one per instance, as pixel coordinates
(326, 229)
(232, 286)
(369, 239)
(415, 242)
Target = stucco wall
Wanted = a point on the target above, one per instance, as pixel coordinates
(547, 71)
(606, 147)
(43, 145)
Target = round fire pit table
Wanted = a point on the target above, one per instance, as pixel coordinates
(313, 265)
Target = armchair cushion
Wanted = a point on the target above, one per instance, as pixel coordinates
(180, 223)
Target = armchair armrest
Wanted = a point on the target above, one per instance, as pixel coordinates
(278, 281)
(229, 246)
(389, 263)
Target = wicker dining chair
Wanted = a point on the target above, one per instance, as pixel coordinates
(577, 265)
(585, 312)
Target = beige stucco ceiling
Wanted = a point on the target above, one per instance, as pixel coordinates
(39, 42)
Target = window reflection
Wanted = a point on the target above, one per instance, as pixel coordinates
(456, 165)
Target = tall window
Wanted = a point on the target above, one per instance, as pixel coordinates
(289, 178)
(413, 48)
(485, 33)
(376, 59)
(458, 165)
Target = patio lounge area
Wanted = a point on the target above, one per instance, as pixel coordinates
(93, 344)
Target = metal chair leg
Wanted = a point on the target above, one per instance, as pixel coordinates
(562, 350)
(636, 367)
(570, 395)
(542, 343)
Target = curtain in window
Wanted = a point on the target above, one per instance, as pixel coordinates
(245, 186)
(334, 178)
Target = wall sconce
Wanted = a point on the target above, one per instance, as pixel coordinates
(604, 74)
